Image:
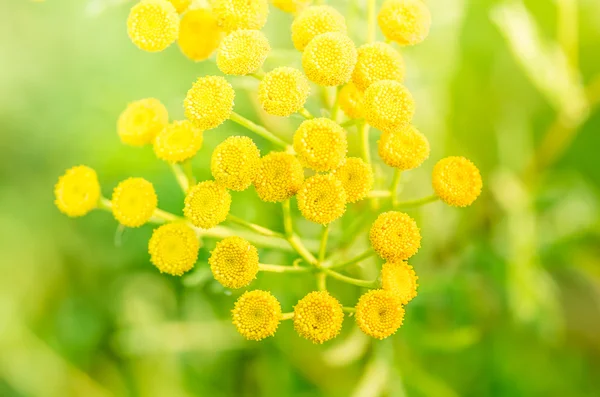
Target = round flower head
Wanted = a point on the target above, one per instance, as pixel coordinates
(406, 22)
(133, 202)
(179, 142)
(351, 101)
(256, 315)
(278, 177)
(321, 144)
(243, 52)
(207, 204)
(180, 5)
(153, 25)
(356, 177)
(241, 14)
(388, 105)
(209, 102)
(376, 62)
(318, 317)
(199, 34)
(234, 162)
(457, 181)
(141, 121)
(322, 199)
(329, 59)
(77, 191)
(234, 262)
(379, 313)
(314, 21)
(395, 236)
(400, 279)
(291, 6)
(174, 248)
(404, 149)
(283, 91)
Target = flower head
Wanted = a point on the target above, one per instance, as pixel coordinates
(351, 101)
(207, 204)
(356, 177)
(406, 22)
(314, 21)
(278, 177)
(329, 59)
(209, 102)
(379, 313)
(376, 62)
(133, 202)
(322, 199)
(457, 181)
(234, 162)
(318, 317)
(400, 278)
(180, 5)
(395, 236)
(321, 144)
(174, 248)
(241, 14)
(388, 105)
(199, 34)
(153, 25)
(283, 91)
(405, 148)
(77, 191)
(243, 52)
(256, 315)
(234, 262)
(291, 6)
(179, 142)
(141, 121)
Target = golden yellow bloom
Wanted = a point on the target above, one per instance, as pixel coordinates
(179, 142)
(256, 314)
(388, 105)
(133, 202)
(318, 317)
(395, 236)
(234, 162)
(406, 22)
(405, 148)
(400, 279)
(322, 199)
(141, 121)
(283, 91)
(181, 5)
(321, 144)
(291, 6)
(314, 21)
(153, 25)
(241, 14)
(351, 101)
(278, 177)
(457, 181)
(209, 102)
(234, 262)
(174, 248)
(379, 313)
(376, 62)
(199, 34)
(356, 177)
(77, 192)
(207, 204)
(329, 59)
(243, 52)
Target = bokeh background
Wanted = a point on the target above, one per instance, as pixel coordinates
(509, 297)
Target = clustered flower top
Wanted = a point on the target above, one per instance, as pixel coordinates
(322, 162)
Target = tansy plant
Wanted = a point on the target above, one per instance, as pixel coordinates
(313, 167)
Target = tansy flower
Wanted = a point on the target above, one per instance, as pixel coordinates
(241, 14)
(376, 62)
(379, 313)
(400, 279)
(318, 317)
(283, 91)
(153, 25)
(174, 248)
(356, 177)
(209, 102)
(406, 22)
(278, 177)
(329, 59)
(321, 144)
(243, 52)
(314, 21)
(395, 236)
(179, 142)
(133, 202)
(322, 199)
(351, 101)
(405, 148)
(207, 204)
(291, 6)
(256, 315)
(234, 262)
(388, 105)
(77, 191)
(181, 5)
(199, 34)
(457, 181)
(141, 121)
(234, 162)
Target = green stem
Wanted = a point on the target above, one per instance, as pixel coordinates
(287, 218)
(105, 204)
(305, 113)
(418, 202)
(257, 129)
(189, 172)
(359, 258)
(364, 142)
(292, 238)
(350, 280)
(372, 20)
(349, 309)
(165, 216)
(283, 269)
(287, 316)
(336, 104)
(394, 186)
(351, 122)
(379, 194)
(323, 247)
(258, 75)
(254, 227)
(181, 177)
(322, 281)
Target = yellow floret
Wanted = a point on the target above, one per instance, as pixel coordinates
(133, 202)
(329, 59)
(77, 192)
(209, 102)
(457, 181)
(395, 236)
(207, 204)
(243, 52)
(406, 22)
(321, 144)
(234, 162)
(404, 149)
(388, 105)
(241, 14)
(318, 317)
(141, 121)
(351, 101)
(322, 199)
(400, 279)
(174, 248)
(234, 262)
(291, 6)
(179, 142)
(379, 313)
(314, 21)
(356, 177)
(278, 177)
(376, 62)
(256, 315)
(199, 34)
(283, 91)
(181, 5)
(153, 25)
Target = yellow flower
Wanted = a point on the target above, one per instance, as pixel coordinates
(329, 59)
(318, 317)
(153, 25)
(321, 144)
(400, 279)
(141, 121)
(207, 204)
(77, 192)
(174, 248)
(234, 262)
(395, 236)
(283, 91)
(405, 148)
(388, 105)
(278, 177)
(199, 34)
(406, 22)
(256, 315)
(351, 101)
(209, 102)
(376, 62)
(234, 162)
(181, 5)
(241, 14)
(379, 313)
(356, 177)
(314, 21)
(457, 181)
(133, 202)
(179, 142)
(291, 6)
(322, 199)
(243, 52)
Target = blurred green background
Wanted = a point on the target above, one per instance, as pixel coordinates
(509, 297)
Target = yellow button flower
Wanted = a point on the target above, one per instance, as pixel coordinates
(179, 142)
(241, 14)
(404, 149)
(314, 21)
(141, 121)
(379, 313)
(388, 105)
(133, 202)
(351, 101)
(77, 192)
(329, 59)
(174, 248)
(292, 6)
(278, 177)
(376, 62)
(395, 236)
(318, 317)
(243, 52)
(283, 91)
(234, 262)
(207, 204)
(322, 199)
(181, 5)
(209, 102)
(199, 34)
(406, 22)
(457, 181)
(256, 315)
(400, 279)
(356, 177)
(234, 162)
(153, 25)
(321, 144)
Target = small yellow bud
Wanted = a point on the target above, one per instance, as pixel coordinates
(329, 59)
(318, 317)
(243, 52)
(379, 313)
(241, 14)
(77, 192)
(283, 91)
(395, 236)
(199, 34)
(404, 149)
(278, 177)
(356, 177)
(234, 162)
(133, 202)
(209, 102)
(153, 25)
(141, 121)
(207, 204)
(174, 248)
(322, 199)
(256, 315)
(388, 105)
(406, 22)
(351, 101)
(314, 21)
(234, 262)
(321, 144)
(457, 181)
(179, 142)
(376, 62)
